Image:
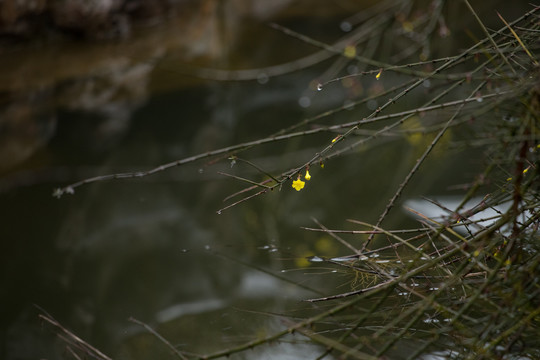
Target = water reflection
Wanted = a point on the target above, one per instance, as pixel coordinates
(149, 249)
(154, 248)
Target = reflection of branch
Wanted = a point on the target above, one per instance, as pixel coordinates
(260, 73)
(73, 340)
(324, 53)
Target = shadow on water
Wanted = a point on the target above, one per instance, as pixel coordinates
(154, 248)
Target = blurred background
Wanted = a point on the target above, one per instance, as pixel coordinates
(96, 87)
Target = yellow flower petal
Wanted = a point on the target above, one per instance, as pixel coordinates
(308, 176)
(298, 184)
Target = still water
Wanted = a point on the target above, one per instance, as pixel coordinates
(155, 249)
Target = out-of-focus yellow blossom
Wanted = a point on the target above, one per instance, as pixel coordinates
(408, 26)
(298, 184)
(350, 51)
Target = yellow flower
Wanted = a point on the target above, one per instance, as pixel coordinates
(378, 74)
(308, 176)
(298, 184)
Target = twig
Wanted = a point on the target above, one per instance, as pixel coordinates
(159, 337)
(336, 345)
(351, 293)
(413, 171)
(236, 158)
(70, 189)
(331, 233)
(70, 337)
(254, 183)
(489, 36)
(242, 200)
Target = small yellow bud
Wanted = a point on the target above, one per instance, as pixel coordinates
(308, 176)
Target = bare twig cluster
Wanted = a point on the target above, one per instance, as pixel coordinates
(461, 285)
